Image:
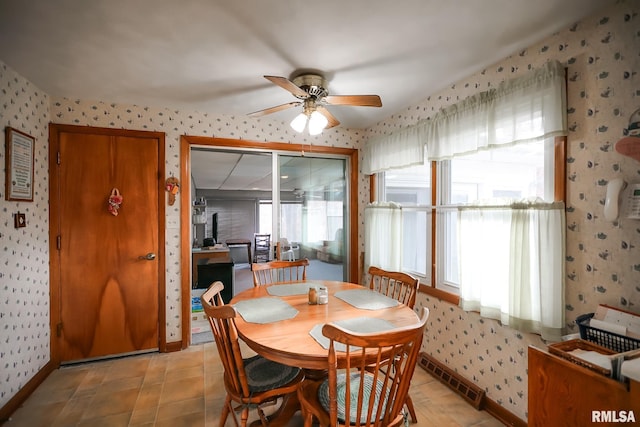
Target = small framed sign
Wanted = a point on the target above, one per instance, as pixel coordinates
(19, 153)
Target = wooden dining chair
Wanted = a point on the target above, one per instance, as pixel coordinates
(394, 284)
(403, 288)
(367, 382)
(279, 272)
(252, 382)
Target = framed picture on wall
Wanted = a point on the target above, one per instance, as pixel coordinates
(19, 154)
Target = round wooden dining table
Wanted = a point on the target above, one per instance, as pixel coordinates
(290, 342)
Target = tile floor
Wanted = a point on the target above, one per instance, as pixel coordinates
(185, 389)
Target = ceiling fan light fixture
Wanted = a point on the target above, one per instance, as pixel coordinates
(311, 90)
(298, 124)
(317, 123)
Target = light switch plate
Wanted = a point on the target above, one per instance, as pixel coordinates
(19, 220)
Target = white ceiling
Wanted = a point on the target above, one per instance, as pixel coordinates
(210, 55)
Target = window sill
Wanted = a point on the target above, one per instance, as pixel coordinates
(440, 294)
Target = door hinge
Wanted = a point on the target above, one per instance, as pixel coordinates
(58, 242)
(59, 330)
(59, 158)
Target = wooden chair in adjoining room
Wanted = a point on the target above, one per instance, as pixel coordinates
(368, 382)
(261, 248)
(252, 382)
(401, 287)
(280, 272)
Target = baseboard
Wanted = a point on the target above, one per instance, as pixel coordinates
(468, 390)
(462, 386)
(501, 414)
(21, 396)
(173, 346)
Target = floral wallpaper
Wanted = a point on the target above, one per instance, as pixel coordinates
(602, 55)
(24, 252)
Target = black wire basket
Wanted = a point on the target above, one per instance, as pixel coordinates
(611, 340)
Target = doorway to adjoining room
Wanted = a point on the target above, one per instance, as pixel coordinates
(235, 197)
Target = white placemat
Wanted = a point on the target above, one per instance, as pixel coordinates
(291, 289)
(265, 310)
(357, 324)
(366, 299)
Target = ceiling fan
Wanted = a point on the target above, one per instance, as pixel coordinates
(311, 89)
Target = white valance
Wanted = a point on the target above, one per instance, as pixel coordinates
(525, 109)
(398, 150)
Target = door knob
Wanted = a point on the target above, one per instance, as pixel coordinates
(149, 257)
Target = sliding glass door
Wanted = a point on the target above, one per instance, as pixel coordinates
(312, 218)
(300, 201)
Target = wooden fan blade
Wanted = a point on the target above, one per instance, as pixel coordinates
(274, 109)
(288, 85)
(332, 120)
(356, 100)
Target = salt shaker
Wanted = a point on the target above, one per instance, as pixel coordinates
(323, 295)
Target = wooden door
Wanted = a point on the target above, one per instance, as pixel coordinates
(109, 269)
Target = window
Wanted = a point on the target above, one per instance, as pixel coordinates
(489, 177)
(411, 188)
(291, 221)
(499, 234)
(264, 217)
(474, 219)
(494, 177)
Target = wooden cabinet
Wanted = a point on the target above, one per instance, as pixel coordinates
(199, 256)
(564, 393)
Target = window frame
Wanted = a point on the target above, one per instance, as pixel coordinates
(376, 183)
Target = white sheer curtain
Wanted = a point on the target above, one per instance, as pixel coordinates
(383, 236)
(512, 265)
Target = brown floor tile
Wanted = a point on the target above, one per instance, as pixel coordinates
(36, 415)
(187, 420)
(50, 395)
(116, 420)
(144, 416)
(123, 368)
(120, 384)
(111, 403)
(73, 411)
(187, 388)
(149, 396)
(176, 409)
(196, 371)
(65, 378)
